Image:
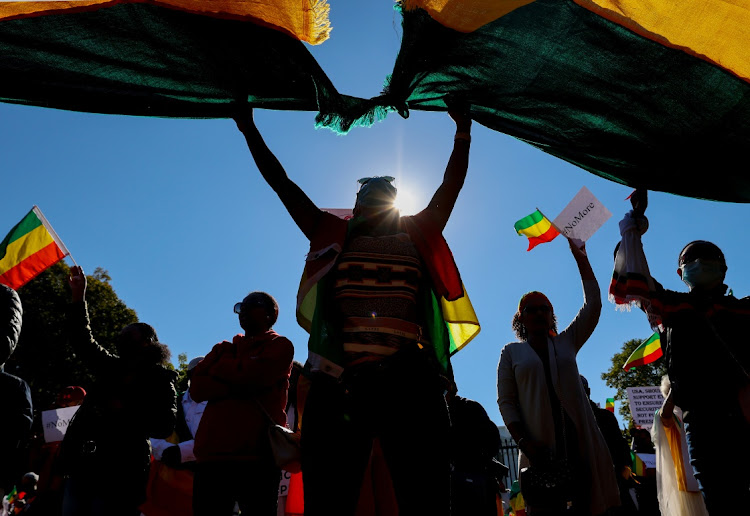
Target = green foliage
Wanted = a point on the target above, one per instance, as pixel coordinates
(618, 378)
(44, 358)
(181, 384)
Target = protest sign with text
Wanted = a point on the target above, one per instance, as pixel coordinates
(582, 217)
(55, 422)
(644, 402)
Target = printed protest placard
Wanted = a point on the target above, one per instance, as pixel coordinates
(582, 217)
(644, 402)
(55, 423)
(284, 484)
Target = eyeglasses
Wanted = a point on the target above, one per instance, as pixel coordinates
(247, 304)
(545, 309)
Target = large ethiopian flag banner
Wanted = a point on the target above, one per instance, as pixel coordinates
(30, 247)
(167, 58)
(640, 92)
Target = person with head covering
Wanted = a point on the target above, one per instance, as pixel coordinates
(17, 407)
(372, 297)
(704, 333)
(245, 383)
(545, 407)
(105, 452)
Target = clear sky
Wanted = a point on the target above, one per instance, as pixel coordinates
(178, 214)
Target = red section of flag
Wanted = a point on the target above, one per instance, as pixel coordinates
(20, 274)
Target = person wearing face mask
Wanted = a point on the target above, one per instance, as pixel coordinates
(105, 453)
(711, 388)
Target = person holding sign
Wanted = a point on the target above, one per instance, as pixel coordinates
(704, 331)
(545, 408)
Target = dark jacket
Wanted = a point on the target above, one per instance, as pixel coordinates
(108, 437)
(14, 392)
(696, 325)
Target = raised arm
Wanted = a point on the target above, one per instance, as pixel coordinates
(79, 327)
(441, 204)
(588, 316)
(297, 203)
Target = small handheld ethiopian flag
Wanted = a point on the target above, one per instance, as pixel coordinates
(30, 247)
(649, 351)
(537, 228)
(610, 405)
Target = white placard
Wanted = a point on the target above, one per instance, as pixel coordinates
(582, 217)
(649, 459)
(284, 484)
(644, 402)
(55, 423)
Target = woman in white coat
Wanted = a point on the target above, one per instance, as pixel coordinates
(543, 402)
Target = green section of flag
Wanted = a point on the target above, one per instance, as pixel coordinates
(528, 221)
(27, 224)
(141, 59)
(581, 88)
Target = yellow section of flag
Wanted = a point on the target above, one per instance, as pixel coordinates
(466, 15)
(307, 20)
(717, 31)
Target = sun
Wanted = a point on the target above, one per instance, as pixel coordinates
(406, 203)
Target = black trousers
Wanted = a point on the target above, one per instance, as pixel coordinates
(401, 402)
(218, 485)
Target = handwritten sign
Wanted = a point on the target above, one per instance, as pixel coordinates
(582, 217)
(55, 423)
(644, 402)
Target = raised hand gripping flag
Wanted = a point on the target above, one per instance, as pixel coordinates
(30, 247)
(537, 228)
(649, 351)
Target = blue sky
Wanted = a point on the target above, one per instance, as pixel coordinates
(178, 214)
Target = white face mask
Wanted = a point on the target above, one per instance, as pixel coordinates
(702, 273)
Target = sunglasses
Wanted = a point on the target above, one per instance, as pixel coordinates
(247, 304)
(545, 309)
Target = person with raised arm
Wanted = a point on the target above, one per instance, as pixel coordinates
(106, 452)
(379, 295)
(703, 334)
(545, 407)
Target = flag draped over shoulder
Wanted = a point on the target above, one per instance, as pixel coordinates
(171, 58)
(636, 92)
(30, 247)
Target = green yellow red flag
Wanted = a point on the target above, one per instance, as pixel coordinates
(537, 228)
(610, 405)
(30, 247)
(649, 351)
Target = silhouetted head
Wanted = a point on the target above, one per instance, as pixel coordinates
(585, 384)
(71, 396)
(257, 313)
(535, 316)
(701, 265)
(376, 200)
(11, 317)
(138, 342)
(191, 365)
